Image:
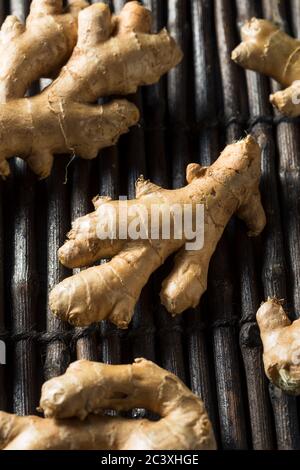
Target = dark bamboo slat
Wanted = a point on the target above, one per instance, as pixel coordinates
(3, 378)
(251, 294)
(286, 134)
(274, 282)
(295, 17)
(154, 139)
(86, 346)
(24, 289)
(109, 186)
(288, 170)
(142, 327)
(226, 354)
(2, 11)
(197, 333)
(117, 5)
(251, 348)
(170, 330)
(295, 28)
(23, 281)
(81, 205)
(221, 288)
(177, 94)
(19, 8)
(288, 145)
(273, 267)
(154, 106)
(141, 330)
(57, 352)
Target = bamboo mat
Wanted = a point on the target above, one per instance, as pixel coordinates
(204, 103)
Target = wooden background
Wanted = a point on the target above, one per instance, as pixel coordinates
(189, 116)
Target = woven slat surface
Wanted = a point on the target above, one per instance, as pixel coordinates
(202, 105)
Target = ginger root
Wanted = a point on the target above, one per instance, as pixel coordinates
(281, 342)
(110, 291)
(39, 48)
(90, 387)
(113, 55)
(268, 50)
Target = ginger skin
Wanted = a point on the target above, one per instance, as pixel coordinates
(270, 51)
(90, 387)
(113, 55)
(281, 342)
(110, 291)
(39, 48)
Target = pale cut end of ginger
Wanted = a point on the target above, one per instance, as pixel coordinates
(281, 343)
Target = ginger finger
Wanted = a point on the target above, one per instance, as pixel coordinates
(83, 245)
(37, 49)
(281, 342)
(187, 282)
(109, 291)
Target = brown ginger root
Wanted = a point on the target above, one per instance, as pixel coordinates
(270, 51)
(113, 55)
(281, 342)
(110, 291)
(37, 49)
(90, 387)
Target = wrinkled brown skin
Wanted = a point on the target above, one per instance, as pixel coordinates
(37, 49)
(270, 51)
(113, 55)
(110, 291)
(90, 387)
(281, 342)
